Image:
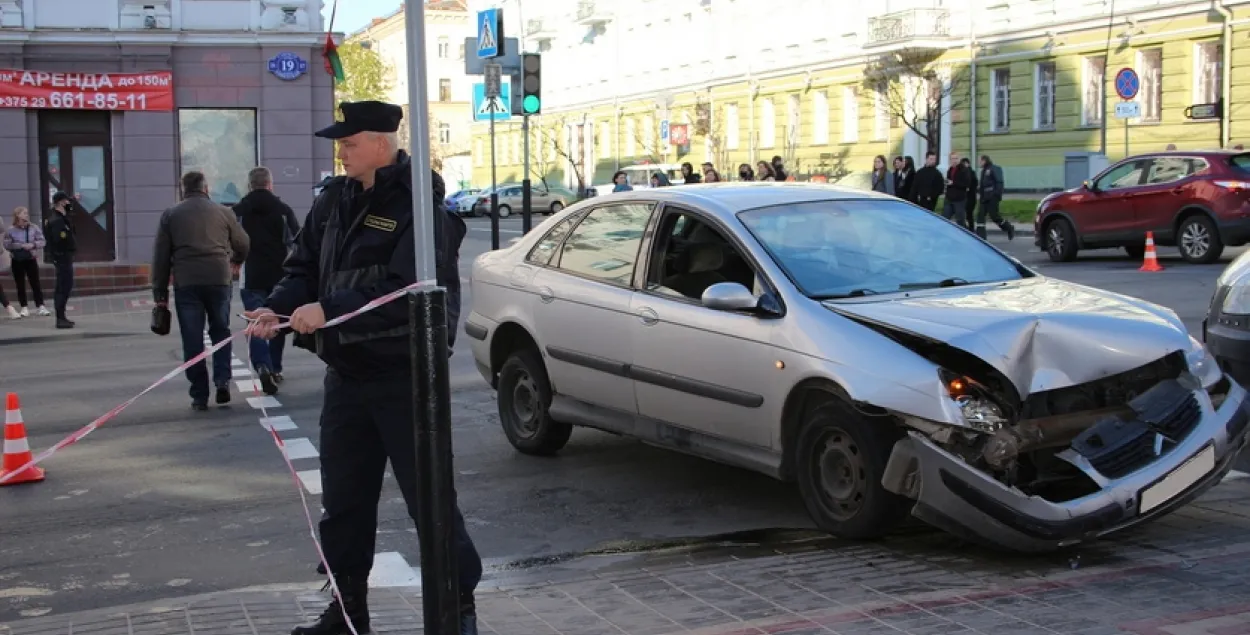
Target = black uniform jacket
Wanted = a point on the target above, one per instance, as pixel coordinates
(356, 246)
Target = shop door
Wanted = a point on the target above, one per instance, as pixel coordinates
(76, 157)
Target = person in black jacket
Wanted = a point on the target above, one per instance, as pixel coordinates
(971, 207)
(356, 246)
(929, 184)
(62, 245)
(957, 184)
(904, 179)
(271, 225)
(991, 191)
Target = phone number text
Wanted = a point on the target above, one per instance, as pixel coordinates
(95, 101)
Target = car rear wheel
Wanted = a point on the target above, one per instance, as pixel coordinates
(1199, 240)
(556, 206)
(1060, 240)
(505, 211)
(524, 399)
(840, 461)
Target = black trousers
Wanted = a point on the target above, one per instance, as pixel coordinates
(64, 284)
(27, 271)
(363, 424)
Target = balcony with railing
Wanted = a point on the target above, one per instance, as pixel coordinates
(593, 12)
(920, 27)
(540, 29)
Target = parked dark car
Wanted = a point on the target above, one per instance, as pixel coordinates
(1198, 202)
(1226, 328)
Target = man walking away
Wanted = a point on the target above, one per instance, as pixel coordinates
(991, 196)
(364, 221)
(267, 221)
(929, 184)
(956, 191)
(204, 246)
(62, 245)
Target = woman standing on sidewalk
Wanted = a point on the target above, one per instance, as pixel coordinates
(22, 240)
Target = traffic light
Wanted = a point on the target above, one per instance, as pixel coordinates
(531, 84)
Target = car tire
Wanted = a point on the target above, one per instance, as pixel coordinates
(479, 212)
(556, 206)
(1198, 240)
(841, 458)
(505, 211)
(523, 399)
(1060, 240)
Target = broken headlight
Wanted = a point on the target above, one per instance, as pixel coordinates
(1202, 364)
(980, 411)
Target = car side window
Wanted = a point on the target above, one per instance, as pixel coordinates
(546, 246)
(1122, 176)
(690, 255)
(1167, 169)
(604, 246)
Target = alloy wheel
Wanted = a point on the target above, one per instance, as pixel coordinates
(1195, 240)
(1054, 240)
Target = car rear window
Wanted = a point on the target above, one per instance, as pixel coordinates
(1240, 162)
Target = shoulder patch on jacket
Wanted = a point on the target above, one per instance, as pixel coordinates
(377, 222)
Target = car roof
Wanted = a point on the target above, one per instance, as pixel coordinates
(1228, 152)
(727, 199)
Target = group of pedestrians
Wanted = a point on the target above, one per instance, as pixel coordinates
(56, 242)
(962, 186)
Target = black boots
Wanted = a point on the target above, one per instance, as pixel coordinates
(1010, 229)
(331, 622)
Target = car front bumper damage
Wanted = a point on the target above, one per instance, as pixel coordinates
(955, 496)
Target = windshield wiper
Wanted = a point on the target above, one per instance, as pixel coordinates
(949, 282)
(853, 293)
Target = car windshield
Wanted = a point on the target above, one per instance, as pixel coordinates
(1241, 162)
(850, 248)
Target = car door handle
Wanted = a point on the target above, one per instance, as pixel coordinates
(546, 294)
(1178, 190)
(648, 315)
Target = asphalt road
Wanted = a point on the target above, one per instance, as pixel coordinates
(163, 502)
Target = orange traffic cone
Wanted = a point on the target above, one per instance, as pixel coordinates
(1151, 262)
(16, 448)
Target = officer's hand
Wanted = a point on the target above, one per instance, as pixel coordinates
(263, 323)
(308, 318)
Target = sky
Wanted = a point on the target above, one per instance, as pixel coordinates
(356, 14)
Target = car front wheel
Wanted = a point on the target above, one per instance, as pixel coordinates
(1060, 240)
(1199, 240)
(524, 399)
(840, 461)
(556, 206)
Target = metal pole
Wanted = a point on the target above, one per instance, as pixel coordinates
(494, 185)
(1126, 138)
(526, 201)
(431, 389)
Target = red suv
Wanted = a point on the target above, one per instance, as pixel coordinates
(1196, 201)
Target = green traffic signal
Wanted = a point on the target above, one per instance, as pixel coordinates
(530, 104)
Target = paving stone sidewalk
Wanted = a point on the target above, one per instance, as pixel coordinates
(1187, 574)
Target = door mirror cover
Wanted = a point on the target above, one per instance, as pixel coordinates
(729, 296)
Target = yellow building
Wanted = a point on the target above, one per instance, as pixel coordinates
(1033, 74)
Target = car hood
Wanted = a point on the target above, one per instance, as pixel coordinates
(1041, 333)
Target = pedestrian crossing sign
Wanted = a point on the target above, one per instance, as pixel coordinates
(488, 108)
(489, 34)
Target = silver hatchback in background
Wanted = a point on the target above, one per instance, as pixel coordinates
(885, 360)
(543, 200)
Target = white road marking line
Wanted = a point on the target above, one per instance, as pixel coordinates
(300, 448)
(1235, 475)
(242, 372)
(263, 402)
(391, 570)
(237, 363)
(280, 423)
(311, 480)
(248, 386)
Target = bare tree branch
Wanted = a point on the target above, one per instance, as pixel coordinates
(553, 137)
(943, 88)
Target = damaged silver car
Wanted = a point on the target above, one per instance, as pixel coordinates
(885, 360)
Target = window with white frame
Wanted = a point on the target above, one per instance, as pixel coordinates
(768, 124)
(1150, 68)
(733, 127)
(631, 138)
(1094, 82)
(820, 118)
(444, 48)
(1000, 103)
(1208, 75)
(850, 114)
(1044, 96)
(444, 134)
(605, 143)
(792, 122)
(881, 112)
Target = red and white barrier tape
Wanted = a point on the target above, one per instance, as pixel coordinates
(111, 414)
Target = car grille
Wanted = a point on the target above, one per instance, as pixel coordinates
(1166, 414)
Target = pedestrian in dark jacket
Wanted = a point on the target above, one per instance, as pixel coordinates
(971, 207)
(357, 246)
(271, 227)
(62, 246)
(904, 179)
(958, 180)
(929, 183)
(201, 243)
(991, 190)
(688, 175)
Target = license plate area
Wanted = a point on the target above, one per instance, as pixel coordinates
(1178, 480)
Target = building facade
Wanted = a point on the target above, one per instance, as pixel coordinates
(828, 84)
(112, 100)
(447, 25)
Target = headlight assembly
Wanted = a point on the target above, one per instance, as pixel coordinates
(981, 412)
(1236, 277)
(1202, 364)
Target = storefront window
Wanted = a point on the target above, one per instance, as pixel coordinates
(222, 145)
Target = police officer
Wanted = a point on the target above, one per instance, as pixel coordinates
(61, 247)
(356, 245)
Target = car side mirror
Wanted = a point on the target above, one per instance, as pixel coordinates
(1089, 185)
(729, 296)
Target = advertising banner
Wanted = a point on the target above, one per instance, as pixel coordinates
(150, 91)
